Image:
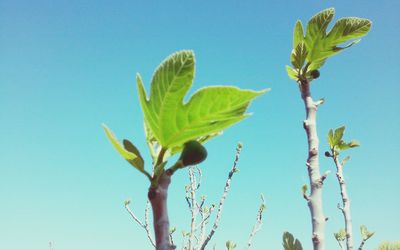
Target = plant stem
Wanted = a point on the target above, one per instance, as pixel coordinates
(222, 200)
(318, 219)
(158, 199)
(346, 204)
(362, 244)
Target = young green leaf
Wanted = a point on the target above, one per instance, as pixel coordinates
(338, 135)
(365, 234)
(209, 111)
(299, 55)
(292, 73)
(298, 34)
(321, 44)
(340, 235)
(289, 243)
(129, 152)
(316, 30)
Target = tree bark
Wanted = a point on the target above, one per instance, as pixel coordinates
(346, 204)
(318, 219)
(158, 200)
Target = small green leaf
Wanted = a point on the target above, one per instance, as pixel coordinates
(289, 243)
(365, 234)
(299, 55)
(230, 245)
(340, 235)
(304, 189)
(298, 34)
(292, 73)
(331, 139)
(131, 154)
(338, 135)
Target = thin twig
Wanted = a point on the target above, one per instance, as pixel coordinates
(145, 225)
(222, 200)
(258, 224)
(193, 187)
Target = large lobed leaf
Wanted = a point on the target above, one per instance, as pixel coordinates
(209, 111)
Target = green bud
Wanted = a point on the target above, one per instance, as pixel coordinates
(315, 73)
(193, 153)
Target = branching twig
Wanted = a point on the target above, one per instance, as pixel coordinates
(144, 225)
(222, 200)
(258, 224)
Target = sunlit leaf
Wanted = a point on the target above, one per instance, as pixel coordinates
(128, 151)
(209, 111)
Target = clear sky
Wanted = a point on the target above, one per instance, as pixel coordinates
(68, 66)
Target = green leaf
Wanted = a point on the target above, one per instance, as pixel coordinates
(338, 135)
(316, 32)
(129, 152)
(340, 235)
(292, 73)
(298, 56)
(365, 234)
(321, 44)
(289, 243)
(230, 245)
(330, 139)
(348, 28)
(298, 34)
(304, 189)
(209, 111)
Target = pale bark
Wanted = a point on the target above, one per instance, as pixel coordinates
(222, 200)
(158, 200)
(346, 204)
(362, 244)
(314, 200)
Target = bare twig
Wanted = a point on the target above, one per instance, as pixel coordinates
(194, 208)
(346, 203)
(224, 195)
(258, 224)
(362, 244)
(144, 225)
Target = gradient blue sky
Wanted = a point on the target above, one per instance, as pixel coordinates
(68, 66)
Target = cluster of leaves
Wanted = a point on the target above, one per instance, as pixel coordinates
(170, 123)
(290, 243)
(310, 50)
(337, 144)
(389, 245)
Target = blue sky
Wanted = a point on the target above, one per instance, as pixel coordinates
(68, 66)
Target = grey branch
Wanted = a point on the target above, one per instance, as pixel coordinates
(258, 224)
(224, 195)
(346, 203)
(316, 180)
(144, 225)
